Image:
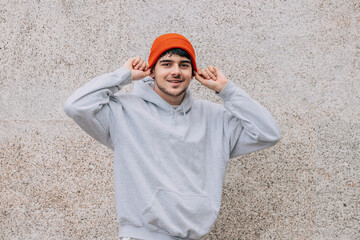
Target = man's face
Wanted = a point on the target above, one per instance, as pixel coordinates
(172, 74)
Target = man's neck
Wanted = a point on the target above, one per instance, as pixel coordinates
(172, 100)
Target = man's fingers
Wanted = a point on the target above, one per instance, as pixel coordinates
(210, 73)
(143, 66)
(139, 67)
(212, 78)
(140, 74)
(203, 73)
(136, 61)
(199, 77)
(140, 64)
(213, 70)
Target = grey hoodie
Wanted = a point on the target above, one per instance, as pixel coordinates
(169, 164)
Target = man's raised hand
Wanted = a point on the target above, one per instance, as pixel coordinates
(212, 78)
(138, 67)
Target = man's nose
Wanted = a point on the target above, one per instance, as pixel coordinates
(175, 70)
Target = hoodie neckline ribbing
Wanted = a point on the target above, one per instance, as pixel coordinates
(144, 89)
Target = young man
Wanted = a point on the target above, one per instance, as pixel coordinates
(170, 150)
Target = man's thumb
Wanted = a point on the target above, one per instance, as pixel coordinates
(147, 72)
(199, 78)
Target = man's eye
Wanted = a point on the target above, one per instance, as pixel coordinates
(185, 65)
(165, 64)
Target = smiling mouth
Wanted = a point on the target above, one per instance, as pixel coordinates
(174, 81)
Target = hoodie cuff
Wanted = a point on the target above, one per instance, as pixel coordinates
(124, 74)
(229, 91)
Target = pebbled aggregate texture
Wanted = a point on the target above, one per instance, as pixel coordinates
(300, 59)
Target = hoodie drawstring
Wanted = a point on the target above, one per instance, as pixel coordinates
(173, 116)
(173, 111)
(185, 116)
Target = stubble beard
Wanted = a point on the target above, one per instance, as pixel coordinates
(169, 93)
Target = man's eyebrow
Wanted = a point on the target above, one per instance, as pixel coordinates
(165, 60)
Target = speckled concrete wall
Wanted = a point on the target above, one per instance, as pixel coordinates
(300, 59)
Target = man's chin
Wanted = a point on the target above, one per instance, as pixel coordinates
(177, 93)
(171, 91)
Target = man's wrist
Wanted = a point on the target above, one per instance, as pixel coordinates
(227, 91)
(221, 87)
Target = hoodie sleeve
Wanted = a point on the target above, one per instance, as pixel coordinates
(247, 124)
(89, 105)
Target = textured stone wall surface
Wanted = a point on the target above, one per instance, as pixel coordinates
(299, 58)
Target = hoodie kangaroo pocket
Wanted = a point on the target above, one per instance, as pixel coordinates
(181, 215)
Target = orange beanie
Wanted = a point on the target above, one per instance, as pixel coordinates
(169, 41)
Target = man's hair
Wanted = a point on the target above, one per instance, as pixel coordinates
(177, 51)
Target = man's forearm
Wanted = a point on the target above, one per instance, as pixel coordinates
(88, 105)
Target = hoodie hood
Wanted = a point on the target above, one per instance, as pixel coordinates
(144, 89)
